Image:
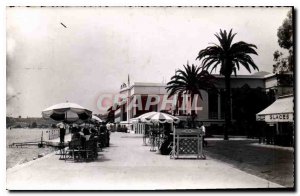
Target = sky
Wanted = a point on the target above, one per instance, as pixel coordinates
(95, 48)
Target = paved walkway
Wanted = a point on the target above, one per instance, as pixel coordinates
(127, 164)
(270, 162)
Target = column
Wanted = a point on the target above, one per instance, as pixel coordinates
(219, 106)
(127, 108)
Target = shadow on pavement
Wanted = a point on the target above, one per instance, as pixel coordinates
(272, 164)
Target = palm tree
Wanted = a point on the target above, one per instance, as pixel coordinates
(190, 81)
(111, 112)
(230, 57)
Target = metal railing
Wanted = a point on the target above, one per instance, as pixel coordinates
(54, 133)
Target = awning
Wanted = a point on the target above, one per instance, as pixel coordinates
(279, 111)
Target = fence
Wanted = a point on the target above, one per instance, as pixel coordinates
(54, 133)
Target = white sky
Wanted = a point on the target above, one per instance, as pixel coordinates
(49, 64)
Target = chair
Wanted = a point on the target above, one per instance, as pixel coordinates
(100, 141)
(62, 151)
(75, 150)
(90, 150)
(97, 140)
(145, 136)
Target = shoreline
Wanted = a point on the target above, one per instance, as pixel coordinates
(20, 155)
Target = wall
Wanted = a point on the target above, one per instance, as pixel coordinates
(239, 82)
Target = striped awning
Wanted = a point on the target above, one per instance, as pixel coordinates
(282, 110)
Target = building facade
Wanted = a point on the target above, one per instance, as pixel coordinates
(210, 108)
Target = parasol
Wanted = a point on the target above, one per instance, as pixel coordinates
(67, 112)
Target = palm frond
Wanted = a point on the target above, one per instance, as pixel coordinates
(189, 81)
(229, 56)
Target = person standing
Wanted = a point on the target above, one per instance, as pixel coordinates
(62, 133)
(202, 130)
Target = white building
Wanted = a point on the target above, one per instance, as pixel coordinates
(212, 111)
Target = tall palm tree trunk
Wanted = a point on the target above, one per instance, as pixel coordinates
(227, 106)
(193, 113)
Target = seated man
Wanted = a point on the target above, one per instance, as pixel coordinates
(93, 133)
(75, 136)
(86, 131)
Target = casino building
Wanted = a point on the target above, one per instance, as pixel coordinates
(211, 104)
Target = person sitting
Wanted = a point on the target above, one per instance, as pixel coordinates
(79, 136)
(86, 131)
(93, 133)
(74, 129)
(75, 136)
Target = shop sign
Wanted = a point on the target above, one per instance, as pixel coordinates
(279, 117)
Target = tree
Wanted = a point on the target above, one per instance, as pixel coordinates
(229, 57)
(111, 113)
(190, 81)
(285, 32)
(285, 40)
(247, 103)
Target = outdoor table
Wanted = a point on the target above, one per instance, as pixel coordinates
(187, 142)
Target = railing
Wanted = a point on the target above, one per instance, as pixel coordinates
(187, 142)
(54, 133)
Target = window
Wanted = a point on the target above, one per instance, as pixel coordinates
(213, 105)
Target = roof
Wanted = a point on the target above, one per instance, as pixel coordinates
(149, 84)
(145, 84)
(261, 73)
(256, 75)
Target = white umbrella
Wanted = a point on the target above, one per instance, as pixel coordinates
(158, 117)
(96, 119)
(139, 118)
(67, 112)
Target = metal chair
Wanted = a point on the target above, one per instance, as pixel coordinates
(74, 151)
(62, 151)
(90, 150)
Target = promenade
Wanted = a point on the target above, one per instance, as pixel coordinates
(128, 165)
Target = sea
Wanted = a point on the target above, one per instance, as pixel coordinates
(16, 156)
